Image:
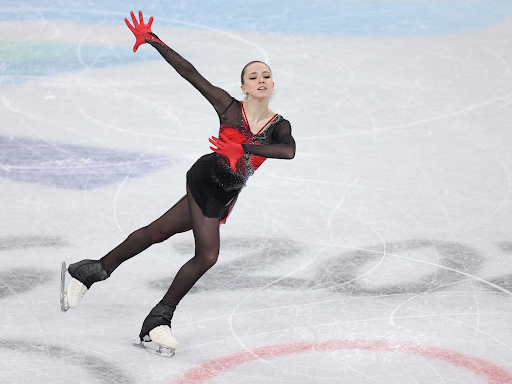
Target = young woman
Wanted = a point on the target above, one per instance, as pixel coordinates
(249, 133)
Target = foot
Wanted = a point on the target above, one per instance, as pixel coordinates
(84, 274)
(157, 326)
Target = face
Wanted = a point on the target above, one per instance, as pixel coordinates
(258, 81)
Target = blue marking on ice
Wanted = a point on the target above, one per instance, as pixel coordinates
(49, 59)
(71, 166)
(364, 17)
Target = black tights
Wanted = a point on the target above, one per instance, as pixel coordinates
(182, 217)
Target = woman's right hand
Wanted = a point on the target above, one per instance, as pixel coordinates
(139, 29)
(233, 151)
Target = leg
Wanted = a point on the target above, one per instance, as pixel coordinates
(207, 244)
(87, 272)
(175, 220)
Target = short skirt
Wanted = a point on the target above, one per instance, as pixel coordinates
(213, 200)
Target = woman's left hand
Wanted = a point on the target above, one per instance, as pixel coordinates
(226, 147)
(139, 29)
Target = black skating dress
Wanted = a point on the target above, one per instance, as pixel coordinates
(212, 183)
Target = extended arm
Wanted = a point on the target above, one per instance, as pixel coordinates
(219, 98)
(284, 147)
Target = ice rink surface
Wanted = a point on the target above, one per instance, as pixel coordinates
(382, 253)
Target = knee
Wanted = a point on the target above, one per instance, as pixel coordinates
(209, 258)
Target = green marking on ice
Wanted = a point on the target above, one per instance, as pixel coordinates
(24, 51)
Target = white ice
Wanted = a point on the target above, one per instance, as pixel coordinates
(380, 254)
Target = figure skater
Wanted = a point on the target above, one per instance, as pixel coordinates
(249, 133)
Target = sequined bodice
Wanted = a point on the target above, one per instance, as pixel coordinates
(236, 128)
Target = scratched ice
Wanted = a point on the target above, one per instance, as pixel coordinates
(380, 254)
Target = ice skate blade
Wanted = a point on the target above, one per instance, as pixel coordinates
(161, 351)
(63, 300)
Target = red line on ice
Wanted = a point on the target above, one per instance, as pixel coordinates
(478, 366)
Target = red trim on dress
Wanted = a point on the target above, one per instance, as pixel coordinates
(223, 221)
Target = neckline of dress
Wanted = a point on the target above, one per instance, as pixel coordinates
(246, 121)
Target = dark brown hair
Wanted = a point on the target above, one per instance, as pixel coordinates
(252, 62)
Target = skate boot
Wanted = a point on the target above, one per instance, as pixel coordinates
(84, 274)
(157, 328)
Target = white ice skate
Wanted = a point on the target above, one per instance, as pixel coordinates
(76, 290)
(71, 297)
(163, 337)
(84, 274)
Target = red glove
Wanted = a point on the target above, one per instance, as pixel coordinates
(139, 29)
(226, 147)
